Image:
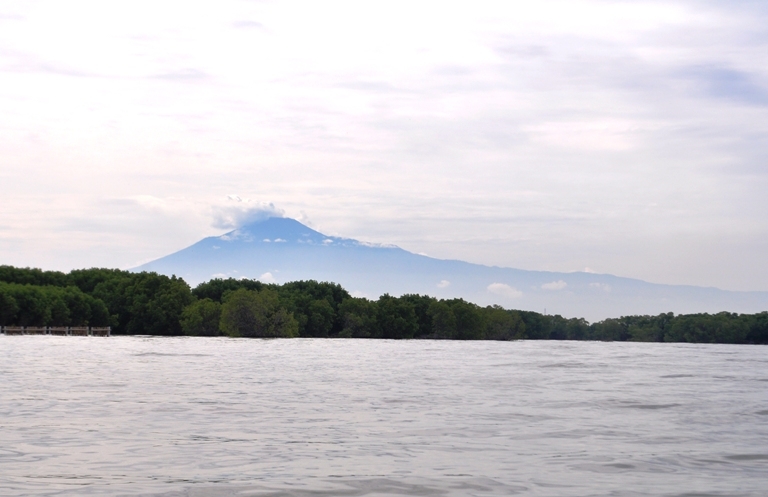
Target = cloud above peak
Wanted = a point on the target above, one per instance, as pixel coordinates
(544, 135)
(555, 285)
(237, 212)
(504, 290)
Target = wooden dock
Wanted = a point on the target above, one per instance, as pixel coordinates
(82, 331)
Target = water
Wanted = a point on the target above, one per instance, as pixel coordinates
(227, 417)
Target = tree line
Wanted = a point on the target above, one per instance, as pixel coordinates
(152, 304)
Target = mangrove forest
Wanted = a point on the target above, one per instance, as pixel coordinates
(142, 303)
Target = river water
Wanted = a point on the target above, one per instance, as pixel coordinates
(210, 417)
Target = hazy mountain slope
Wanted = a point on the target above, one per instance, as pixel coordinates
(288, 251)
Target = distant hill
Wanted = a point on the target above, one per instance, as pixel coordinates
(283, 249)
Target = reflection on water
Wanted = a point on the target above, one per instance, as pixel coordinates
(222, 417)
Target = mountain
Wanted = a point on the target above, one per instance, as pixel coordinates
(283, 249)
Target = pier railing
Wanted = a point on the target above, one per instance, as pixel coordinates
(83, 331)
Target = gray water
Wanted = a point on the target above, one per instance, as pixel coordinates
(229, 417)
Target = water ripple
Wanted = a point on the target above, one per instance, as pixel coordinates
(200, 417)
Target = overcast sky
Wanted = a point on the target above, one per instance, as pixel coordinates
(624, 137)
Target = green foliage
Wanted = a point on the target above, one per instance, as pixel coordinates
(758, 328)
(648, 328)
(421, 305)
(201, 318)
(443, 320)
(87, 279)
(33, 276)
(558, 327)
(723, 327)
(247, 313)
(315, 305)
(358, 317)
(217, 287)
(148, 303)
(609, 330)
(537, 326)
(145, 303)
(34, 304)
(501, 324)
(30, 305)
(577, 329)
(9, 308)
(320, 318)
(469, 320)
(396, 317)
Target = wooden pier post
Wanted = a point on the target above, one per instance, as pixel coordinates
(81, 331)
(103, 331)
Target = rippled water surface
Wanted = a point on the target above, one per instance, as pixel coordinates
(226, 417)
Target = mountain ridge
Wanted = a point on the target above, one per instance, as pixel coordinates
(283, 249)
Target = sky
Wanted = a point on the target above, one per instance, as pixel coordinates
(628, 138)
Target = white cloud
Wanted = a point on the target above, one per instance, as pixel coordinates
(455, 138)
(443, 284)
(238, 212)
(505, 290)
(587, 135)
(555, 285)
(238, 235)
(267, 278)
(601, 286)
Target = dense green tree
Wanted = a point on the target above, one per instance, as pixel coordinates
(609, 330)
(501, 324)
(87, 279)
(421, 305)
(358, 316)
(33, 276)
(8, 308)
(201, 318)
(148, 303)
(577, 329)
(537, 326)
(59, 310)
(332, 292)
(723, 327)
(647, 332)
(443, 320)
(32, 305)
(145, 303)
(307, 300)
(758, 328)
(247, 313)
(648, 328)
(396, 317)
(320, 318)
(469, 320)
(558, 327)
(217, 287)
